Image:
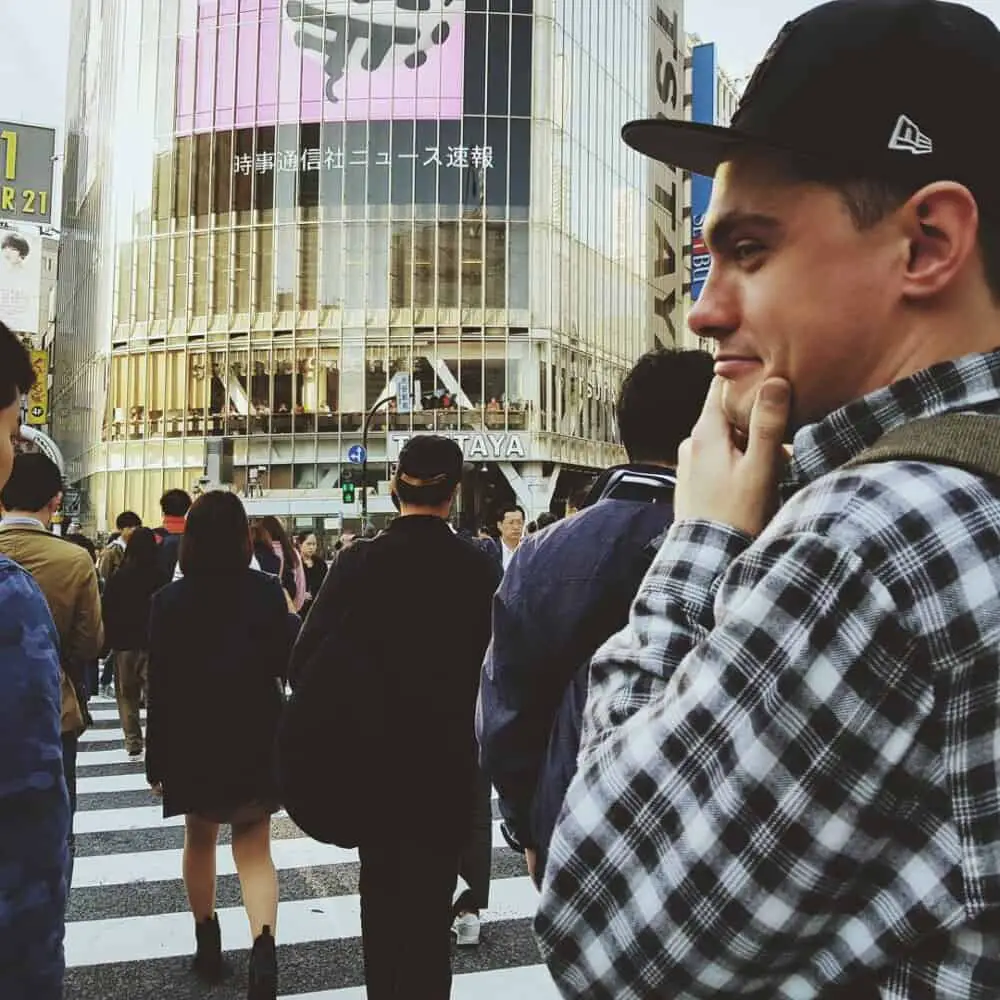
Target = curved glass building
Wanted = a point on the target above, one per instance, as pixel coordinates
(277, 211)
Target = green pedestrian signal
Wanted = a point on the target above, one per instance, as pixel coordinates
(347, 492)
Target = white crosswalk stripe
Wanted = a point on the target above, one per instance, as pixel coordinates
(128, 922)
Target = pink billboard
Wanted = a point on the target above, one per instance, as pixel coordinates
(269, 62)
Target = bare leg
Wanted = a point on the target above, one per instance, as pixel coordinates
(200, 837)
(258, 879)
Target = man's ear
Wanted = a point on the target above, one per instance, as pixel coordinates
(942, 224)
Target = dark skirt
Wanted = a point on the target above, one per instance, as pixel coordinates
(243, 800)
(250, 812)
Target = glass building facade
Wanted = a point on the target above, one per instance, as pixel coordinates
(277, 211)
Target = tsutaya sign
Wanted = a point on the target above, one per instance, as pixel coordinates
(497, 447)
(666, 218)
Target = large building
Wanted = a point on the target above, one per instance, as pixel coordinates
(277, 211)
(711, 98)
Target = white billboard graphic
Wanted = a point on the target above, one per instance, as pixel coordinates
(20, 280)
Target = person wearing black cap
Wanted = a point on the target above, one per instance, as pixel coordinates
(409, 613)
(788, 778)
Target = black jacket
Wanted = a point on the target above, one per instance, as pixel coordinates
(168, 552)
(218, 647)
(128, 597)
(414, 606)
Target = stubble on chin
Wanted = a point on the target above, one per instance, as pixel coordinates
(737, 403)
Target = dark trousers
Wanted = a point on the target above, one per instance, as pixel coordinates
(108, 674)
(69, 746)
(406, 893)
(92, 678)
(476, 862)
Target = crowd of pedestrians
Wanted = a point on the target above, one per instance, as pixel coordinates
(741, 705)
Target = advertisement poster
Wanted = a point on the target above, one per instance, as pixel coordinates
(20, 280)
(38, 398)
(288, 61)
(26, 164)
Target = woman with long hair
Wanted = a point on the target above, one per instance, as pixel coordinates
(313, 565)
(128, 597)
(222, 630)
(291, 574)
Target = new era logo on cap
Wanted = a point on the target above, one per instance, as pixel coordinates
(907, 138)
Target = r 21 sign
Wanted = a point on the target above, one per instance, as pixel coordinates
(26, 164)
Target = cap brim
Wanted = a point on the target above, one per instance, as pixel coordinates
(687, 145)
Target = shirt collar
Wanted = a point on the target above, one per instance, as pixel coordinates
(23, 522)
(968, 383)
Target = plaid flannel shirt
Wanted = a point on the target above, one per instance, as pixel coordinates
(790, 769)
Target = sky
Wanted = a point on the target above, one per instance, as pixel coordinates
(33, 70)
(744, 29)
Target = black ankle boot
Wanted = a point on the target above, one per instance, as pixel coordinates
(208, 963)
(263, 978)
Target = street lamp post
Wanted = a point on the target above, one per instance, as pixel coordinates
(364, 460)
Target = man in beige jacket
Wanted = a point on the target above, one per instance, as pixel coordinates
(67, 578)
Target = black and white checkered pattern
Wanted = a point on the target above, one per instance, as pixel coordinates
(790, 773)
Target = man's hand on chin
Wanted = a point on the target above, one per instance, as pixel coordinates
(730, 479)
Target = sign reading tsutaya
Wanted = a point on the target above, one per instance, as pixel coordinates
(666, 216)
(475, 447)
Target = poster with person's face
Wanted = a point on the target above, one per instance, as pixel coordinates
(20, 280)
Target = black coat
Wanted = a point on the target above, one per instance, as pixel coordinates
(414, 606)
(218, 649)
(126, 604)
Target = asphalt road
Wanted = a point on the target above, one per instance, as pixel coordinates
(129, 935)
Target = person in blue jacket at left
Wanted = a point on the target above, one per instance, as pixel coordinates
(34, 804)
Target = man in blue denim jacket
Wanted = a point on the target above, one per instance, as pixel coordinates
(567, 589)
(34, 806)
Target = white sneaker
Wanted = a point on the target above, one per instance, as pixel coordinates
(466, 929)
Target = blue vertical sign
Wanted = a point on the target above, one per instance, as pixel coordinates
(704, 109)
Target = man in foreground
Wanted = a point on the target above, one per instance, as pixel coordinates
(34, 805)
(789, 777)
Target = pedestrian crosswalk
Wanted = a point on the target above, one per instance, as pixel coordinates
(129, 933)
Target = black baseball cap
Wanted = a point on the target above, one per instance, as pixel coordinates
(902, 90)
(430, 460)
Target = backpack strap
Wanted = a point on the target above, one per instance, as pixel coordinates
(969, 441)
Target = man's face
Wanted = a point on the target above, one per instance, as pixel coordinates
(10, 423)
(127, 533)
(795, 290)
(511, 528)
(11, 256)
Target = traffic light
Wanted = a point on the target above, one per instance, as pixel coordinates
(347, 492)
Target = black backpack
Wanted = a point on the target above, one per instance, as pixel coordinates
(331, 772)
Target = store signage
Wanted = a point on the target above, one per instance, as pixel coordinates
(666, 230)
(475, 447)
(601, 389)
(38, 396)
(27, 153)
